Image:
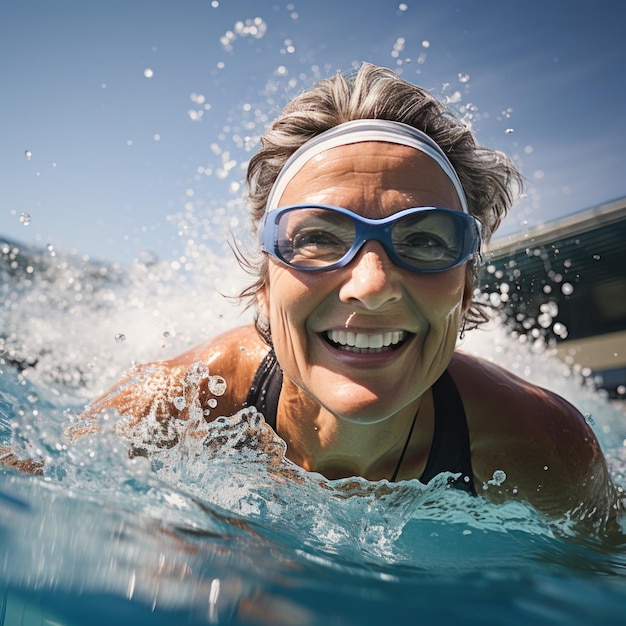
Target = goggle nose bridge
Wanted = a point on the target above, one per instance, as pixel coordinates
(364, 233)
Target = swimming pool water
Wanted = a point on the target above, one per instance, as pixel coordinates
(234, 533)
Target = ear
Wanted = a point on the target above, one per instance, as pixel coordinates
(468, 291)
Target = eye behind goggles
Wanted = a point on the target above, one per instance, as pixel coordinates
(311, 237)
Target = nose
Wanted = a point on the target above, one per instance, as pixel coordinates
(373, 279)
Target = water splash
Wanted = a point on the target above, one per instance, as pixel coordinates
(221, 501)
(254, 28)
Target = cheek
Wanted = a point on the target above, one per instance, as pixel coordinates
(291, 295)
(443, 293)
(468, 292)
(290, 302)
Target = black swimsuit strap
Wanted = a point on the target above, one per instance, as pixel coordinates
(265, 390)
(450, 449)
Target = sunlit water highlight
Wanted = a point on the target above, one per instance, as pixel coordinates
(221, 528)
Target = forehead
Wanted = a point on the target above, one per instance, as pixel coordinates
(373, 174)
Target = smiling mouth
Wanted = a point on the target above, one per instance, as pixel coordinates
(366, 343)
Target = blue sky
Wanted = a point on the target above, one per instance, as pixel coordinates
(139, 116)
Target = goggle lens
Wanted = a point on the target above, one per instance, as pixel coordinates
(423, 239)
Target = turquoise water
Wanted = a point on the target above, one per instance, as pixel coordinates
(224, 530)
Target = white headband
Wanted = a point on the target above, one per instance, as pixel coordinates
(357, 131)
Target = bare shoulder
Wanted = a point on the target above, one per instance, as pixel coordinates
(168, 388)
(233, 356)
(528, 442)
(489, 388)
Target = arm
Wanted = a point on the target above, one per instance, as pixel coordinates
(9, 458)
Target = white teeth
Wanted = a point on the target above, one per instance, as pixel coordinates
(361, 341)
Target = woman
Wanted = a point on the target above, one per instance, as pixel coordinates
(370, 202)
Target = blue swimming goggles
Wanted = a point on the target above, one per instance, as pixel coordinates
(313, 237)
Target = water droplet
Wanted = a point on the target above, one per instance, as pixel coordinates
(596, 257)
(197, 372)
(217, 385)
(403, 6)
(25, 219)
(551, 308)
(212, 403)
(544, 320)
(508, 131)
(28, 154)
(120, 338)
(180, 403)
(567, 289)
(148, 73)
(499, 476)
(166, 333)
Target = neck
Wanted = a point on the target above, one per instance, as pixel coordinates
(319, 441)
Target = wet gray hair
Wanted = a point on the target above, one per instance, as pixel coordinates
(489, 178)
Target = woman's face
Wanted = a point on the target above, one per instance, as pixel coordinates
(311, 313)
